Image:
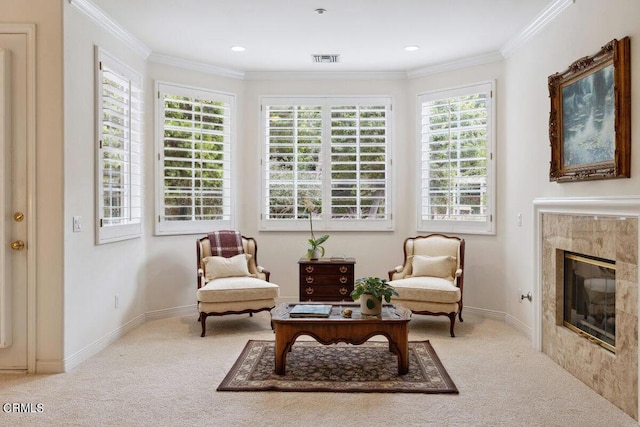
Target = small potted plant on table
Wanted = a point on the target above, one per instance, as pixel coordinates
(371, 291)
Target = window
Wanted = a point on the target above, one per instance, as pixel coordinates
(332, 151)
(119, 154)
(194, 145)
(456, 160)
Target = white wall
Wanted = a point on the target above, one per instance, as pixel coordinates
(580, 30)
(93, 274)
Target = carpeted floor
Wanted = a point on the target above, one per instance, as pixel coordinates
(342, 368)
(164, 374)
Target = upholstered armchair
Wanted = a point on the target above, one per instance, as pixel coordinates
(230, 281)
(430, 280)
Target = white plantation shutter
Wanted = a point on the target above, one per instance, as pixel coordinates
(293, 161)
(119, 129)
(456, 165)
(359, 161)
(194, 159)
(331, 151)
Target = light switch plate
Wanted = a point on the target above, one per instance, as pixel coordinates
(77, 224)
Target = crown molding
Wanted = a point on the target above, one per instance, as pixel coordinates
(457, 64)
(547, 15)
(326, 75)
(539, 22)
(105, 21)
(187, 64)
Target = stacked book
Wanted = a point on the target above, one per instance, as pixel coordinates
(310, 310)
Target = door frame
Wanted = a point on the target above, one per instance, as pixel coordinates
(30, 31)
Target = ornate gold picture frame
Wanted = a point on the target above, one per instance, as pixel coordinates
(590, 119)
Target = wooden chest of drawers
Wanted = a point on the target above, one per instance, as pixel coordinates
(326, 279)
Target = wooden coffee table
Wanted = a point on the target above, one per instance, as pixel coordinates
(393, 324)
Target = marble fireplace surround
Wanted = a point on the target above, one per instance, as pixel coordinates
(605, 228)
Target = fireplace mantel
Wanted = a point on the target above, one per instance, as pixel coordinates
(605, 227)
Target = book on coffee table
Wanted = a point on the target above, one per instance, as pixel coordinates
(310, 310)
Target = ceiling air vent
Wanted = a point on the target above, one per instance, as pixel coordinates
(326, 58)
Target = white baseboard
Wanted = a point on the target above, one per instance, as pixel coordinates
(185, 310)
(483, 312)
(501, 316)
(57, 366)
(45, 367)
(519, 326)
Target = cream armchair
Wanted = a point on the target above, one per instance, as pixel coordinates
(232, 284)
(430, 280)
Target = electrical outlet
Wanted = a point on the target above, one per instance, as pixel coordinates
(519, 220)
(117, 301)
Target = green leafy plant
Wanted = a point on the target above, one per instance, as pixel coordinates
(374, 286)
(310, 207)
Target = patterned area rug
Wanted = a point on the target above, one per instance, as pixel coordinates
(369, 367)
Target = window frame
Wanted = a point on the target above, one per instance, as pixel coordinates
(452, 226)
(179, 227)
(325, 223)
(131, 227)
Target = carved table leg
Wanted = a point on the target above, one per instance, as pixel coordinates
(282, 347)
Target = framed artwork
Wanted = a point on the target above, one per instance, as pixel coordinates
(590, 119)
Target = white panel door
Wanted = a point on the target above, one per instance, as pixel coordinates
(13, 201)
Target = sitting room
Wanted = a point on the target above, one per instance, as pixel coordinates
(327, 135)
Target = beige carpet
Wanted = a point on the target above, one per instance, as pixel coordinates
(164, 374)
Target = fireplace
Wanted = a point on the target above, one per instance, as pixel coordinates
(590, 298)
(600, 239)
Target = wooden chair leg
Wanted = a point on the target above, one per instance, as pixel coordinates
(452, 318)
(460, 314)
(203, 321)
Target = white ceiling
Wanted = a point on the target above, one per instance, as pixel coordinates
(281, 35)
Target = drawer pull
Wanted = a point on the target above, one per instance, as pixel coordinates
(343, 279)
(343, 269)
(343, 291)
(309, 279)
(309, 269)
(309, 290)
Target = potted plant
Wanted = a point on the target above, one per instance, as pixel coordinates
(316, 250)
(371, 291)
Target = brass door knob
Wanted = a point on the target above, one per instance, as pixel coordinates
(18, 245)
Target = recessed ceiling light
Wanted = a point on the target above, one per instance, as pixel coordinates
(411, 48)
(238, 49)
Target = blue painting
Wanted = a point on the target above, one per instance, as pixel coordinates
(588, 119)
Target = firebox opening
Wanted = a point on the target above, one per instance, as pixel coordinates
(590, 298)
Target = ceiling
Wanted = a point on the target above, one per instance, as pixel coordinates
(282, 35)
